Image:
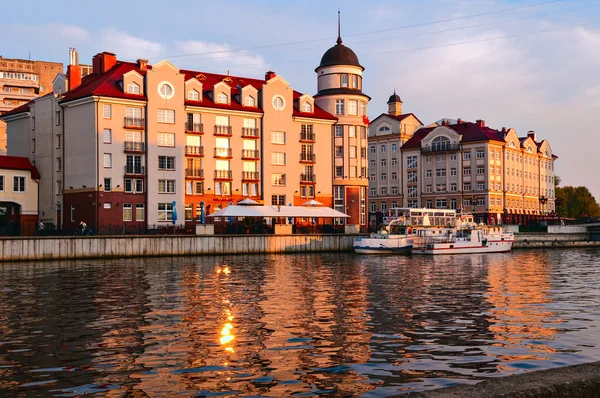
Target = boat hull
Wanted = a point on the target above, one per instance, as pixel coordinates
(382, 246)
(449, 248)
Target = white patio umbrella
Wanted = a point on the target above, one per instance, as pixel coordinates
(312, 202)
(247, 202)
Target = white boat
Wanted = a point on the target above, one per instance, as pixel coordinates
(464, 239)
(399, 240)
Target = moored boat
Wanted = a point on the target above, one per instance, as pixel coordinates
(465, 239)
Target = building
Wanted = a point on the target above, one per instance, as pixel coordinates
(18, 196)
(387, 133)
(20, 81)
(131, 144)
(494, 174)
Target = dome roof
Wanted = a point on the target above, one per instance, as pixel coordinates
(339, 55)
(394, 98)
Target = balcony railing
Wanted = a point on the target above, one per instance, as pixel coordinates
(133, 122)
(134, 169)
(194, 127)
(250, 176)
(440, 148)
(307, 136)
(223, 130)
(223, 153)
(250, 132)
(312, 178)
(308, 157)
(250, 154)
(134, 146)
(194, 173)
(193, 150)
(222, 174)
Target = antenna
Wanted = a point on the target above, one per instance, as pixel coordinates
(339, 39)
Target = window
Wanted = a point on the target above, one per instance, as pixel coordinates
(383, 176)
(372, 149)
(194, 187)
(33, 122)
(278, 159)
(412, 192)
(166, 116)
(166, 139)
(481, 170)
(411, 162)
(481, 202)
(139, 212)
(107, 111)
(352, 107)
(383, 162)
(107, 185)
(383, 191)
(58, 117)
(394, 147)
(339, 107)
(339, 171)
(440, 172)
(1, 183)
(363, 132)
(363, 153)
(440, 143)
(193, 95)
(166, 186)
(412, 204)
(354, 81)
(466, 202)
(352, 151)
(429, 204)
(383, 206)
(394, 176)
(480, 154)
(363, 108)
(440, 158)
(440, 188)
(107, 136)
(428, 189)
(72, 213)
(223, 188)
(467, 171)
(165, 90)
(18, 184)
(428, 173)
(466, 187)
(278, 102)
(222, 98)
(278, 179)
(453, 188)
(278, 200)
(127, 212)
(441, 203)
(480, 186)
(165, 211)
(372, 177)
(222, 120)
(412, 177)
(107, 205)
(188, 212)
(133, 88)
(344, 80)
(107, 160)
(394, 190)
(278, 137)
(383, 148)
(353, 171)
(453, 156)
(339, 131)
(372, 207)
(58, 164)
(352, 131)
(467, 156)
(453, 171)
(339, 151)
(394, 161)
(166, 162)
(306, 107)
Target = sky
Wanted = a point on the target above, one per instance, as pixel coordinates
(530, 65)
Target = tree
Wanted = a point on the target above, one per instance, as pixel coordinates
(576, 202)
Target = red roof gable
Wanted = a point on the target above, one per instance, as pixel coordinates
(398, 117)
(19, 163)
(317, 113)
(470, 132)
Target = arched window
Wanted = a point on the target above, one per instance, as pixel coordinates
(306, 107)
(133, 88)
(193, 95)
(440, 143)
(384, 128)
(250, 101)
(222, 98)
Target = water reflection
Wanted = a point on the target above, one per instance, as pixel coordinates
(336, 325)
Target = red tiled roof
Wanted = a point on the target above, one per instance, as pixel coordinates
(398, 117)
(19, 163)
(317, 113)
(470, 132)
(18, 109)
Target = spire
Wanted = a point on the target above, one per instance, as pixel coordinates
(339, 39)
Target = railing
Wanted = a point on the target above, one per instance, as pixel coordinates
(307, 136)
(223, 174)
(194, 127)
(134, 169)
(440, 148)
(307, 157)
(223, 153)
(223, 130)
(133, 122)
(193, 150)
(194, 173)
(308, 178)
(135, 146)
(250, 154)
(250, 132)
(250, 176)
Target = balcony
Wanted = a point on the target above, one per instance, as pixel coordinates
(307, 136)
(308, 179)
(223, 131)
(136, 123)
(223, 175)
(441, 148)
(308, 158)
(194, 173)
(135, 146)
(223, 153)
(250, 176)
(197, 128)
(193, 150)
(250, 132)
(134, 169)
(250, 154)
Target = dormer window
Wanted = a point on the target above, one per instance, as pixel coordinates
(250, 101)
(344, 78)
(133, 88)
(384, 129)
(193, 95)
(306, 107)
(222, 98)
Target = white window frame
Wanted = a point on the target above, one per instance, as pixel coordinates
(193, 95)
(166, 116)
(166, 186)
(19, 184)
(139, 216)
(107, 111)
(107, 160)
(165, 140)
(278, 137)
(107, 136)
(127, 206)
(133, 88)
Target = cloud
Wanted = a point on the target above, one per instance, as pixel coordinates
(127, 46)
(206, 55)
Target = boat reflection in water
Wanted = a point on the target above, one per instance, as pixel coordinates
(278, 325)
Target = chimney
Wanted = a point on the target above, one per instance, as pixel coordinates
(74, 75)
(531, 134)
(96, 64)
(459, 121)
(504, 129)
(481, 123)
(444, 122)
(142, 64)
(269, 75)
(108, 60)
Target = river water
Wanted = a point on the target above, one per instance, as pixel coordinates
(293, 325)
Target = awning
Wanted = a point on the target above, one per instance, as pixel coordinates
(278, 211)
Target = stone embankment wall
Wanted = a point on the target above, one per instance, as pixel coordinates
(25, 249)
(543, 240)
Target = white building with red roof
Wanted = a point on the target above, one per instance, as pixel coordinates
(18, 196)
